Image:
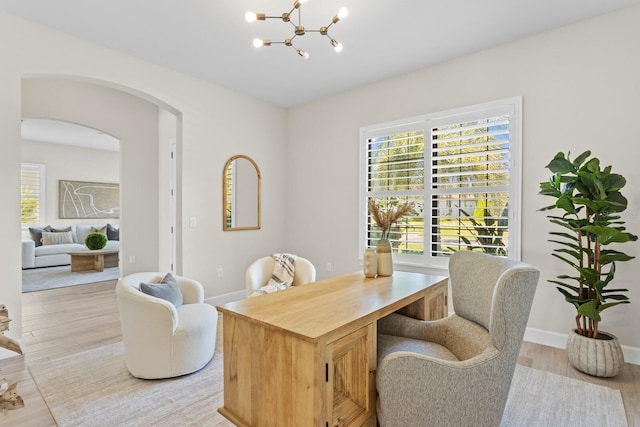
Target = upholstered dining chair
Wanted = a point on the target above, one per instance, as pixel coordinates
(259, 272)
(457, 371)
(167, 332)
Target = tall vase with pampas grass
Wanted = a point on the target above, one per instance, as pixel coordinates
(385, 219)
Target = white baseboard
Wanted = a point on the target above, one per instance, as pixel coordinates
(554, 339)
(225, 298)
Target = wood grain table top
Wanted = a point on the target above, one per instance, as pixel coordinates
(314, 310)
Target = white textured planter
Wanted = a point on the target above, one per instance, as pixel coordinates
(597, 357)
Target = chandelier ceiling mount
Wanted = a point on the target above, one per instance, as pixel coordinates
(298, 30)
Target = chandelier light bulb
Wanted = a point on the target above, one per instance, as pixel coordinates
(343, 13)
(303, 53)
(250, 16)
(257, 43)
(337, 46)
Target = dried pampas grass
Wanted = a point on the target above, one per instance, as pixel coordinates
(385, 218)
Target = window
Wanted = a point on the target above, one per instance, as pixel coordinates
(32, 194)
(460, 169)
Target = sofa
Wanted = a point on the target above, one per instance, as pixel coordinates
(49, 246)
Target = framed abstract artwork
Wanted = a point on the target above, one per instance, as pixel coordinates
(82, 199)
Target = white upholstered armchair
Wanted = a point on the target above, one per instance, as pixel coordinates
(160, 339)
(457, 370)
(259, 272)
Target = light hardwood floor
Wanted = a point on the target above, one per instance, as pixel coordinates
(64, 321)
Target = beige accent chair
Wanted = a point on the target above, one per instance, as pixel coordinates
(161, 340)
(259, 272)
(457, 371)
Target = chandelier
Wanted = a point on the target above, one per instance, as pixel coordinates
(299, 30)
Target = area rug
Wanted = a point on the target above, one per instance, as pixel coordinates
(542, 399)
(94, 388)
(39, 279)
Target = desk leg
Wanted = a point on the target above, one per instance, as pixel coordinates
(432, 306)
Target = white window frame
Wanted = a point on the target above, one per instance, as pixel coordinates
(41, 197)
(511, 106)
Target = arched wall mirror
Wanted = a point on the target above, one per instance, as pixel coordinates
(240, 194)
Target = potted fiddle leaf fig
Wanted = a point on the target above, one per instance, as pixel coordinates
(588, 233)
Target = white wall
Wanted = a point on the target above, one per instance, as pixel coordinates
(581, 90)
(215, 123)
(73, 163)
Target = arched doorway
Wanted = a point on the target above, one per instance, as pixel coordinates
(145, 126)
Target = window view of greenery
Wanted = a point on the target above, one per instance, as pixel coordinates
(30, 195)
(469, 183)
(395, 175)
(467, 194)
(29, 206)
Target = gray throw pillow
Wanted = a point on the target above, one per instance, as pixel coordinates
(167, 289)
(113, 233)
(36, 234)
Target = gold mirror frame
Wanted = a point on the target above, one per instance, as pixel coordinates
(229, 199)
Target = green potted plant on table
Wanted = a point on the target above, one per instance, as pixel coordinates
(590, 201)
(95, 241)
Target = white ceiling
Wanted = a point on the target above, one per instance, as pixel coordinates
(210, 39)
(59, 132)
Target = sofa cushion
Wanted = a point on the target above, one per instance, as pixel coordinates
(112, 245)
(56, 238)
(58, 249)
(167, 290)
(82, 230)
(36, 234)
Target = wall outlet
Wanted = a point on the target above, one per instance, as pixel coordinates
(329, 266)
(192, 222)
(132, 259)
(220, 272)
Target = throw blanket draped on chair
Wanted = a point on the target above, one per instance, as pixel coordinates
(282, 276)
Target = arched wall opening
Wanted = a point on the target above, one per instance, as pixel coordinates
(146, 127)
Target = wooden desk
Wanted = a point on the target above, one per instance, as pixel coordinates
(307, 356)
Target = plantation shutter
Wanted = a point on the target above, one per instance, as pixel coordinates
(395, 175)
(462, 168)
(31, 193)
(470, 176)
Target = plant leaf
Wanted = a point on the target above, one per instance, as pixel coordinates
(580, 159)
(590, 309)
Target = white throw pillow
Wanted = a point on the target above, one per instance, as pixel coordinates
(57, 238)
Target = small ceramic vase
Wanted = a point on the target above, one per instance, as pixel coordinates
(370, 262)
